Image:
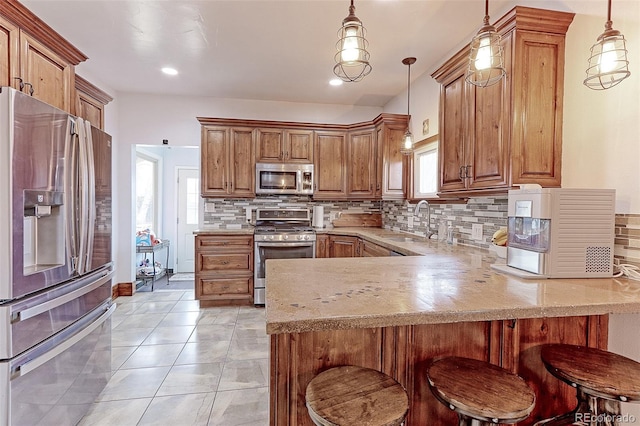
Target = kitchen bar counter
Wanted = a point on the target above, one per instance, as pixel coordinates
(218, 231)
(398, 314)
(447, 284)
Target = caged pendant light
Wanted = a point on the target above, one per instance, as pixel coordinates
(608, 64)
(407, 140)
(485, 61)
(352, 59)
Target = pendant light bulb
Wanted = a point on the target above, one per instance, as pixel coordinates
(407, 140)
(352, 57)
(608, 64)
(485, 60)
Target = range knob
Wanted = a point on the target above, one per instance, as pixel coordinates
(299, 237)
(286, 237)
(306, 237)
(271, 237)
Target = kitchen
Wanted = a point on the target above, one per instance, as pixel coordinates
(611, 116)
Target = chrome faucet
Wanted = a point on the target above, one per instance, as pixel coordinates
(417, 210)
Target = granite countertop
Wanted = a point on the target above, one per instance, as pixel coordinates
(442, 284)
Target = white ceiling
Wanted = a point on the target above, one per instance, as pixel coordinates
(265, 49)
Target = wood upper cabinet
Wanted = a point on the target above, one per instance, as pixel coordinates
(90, 102)
(284, 146)
(330, 165)
(361, 164)
(9, 52)
(359, 161)
(391, 165)
(494, 138)
(227, 162)
(35, 59)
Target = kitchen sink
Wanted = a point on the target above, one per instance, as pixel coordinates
(405, 239)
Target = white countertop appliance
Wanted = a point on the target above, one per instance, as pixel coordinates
(561, 232)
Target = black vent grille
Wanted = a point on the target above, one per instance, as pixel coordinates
(598, 259)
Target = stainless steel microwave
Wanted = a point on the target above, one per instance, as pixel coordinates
(284, 178)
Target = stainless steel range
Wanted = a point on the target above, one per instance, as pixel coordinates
(280, 234)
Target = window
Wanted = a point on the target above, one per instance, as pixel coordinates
(146, 193)
(425, 172)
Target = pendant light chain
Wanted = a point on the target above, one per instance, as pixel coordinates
(407, 140)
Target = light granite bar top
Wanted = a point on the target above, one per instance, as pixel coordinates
(443, 284)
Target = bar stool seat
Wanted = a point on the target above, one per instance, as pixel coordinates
(352, 396)
(480, 392)
(602, 379)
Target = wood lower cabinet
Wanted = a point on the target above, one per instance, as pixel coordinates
(224, 270)
(494, 138)
(369, 249)
(344, 246)
(35, 59)
(322, 246)
(405, 353)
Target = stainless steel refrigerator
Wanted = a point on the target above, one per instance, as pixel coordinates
(55, 263)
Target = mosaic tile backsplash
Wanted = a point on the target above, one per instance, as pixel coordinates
(491, 212)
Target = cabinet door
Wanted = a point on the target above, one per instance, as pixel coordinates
(322, 246)
(269, 146)
(330, 165)
(369, 249)
(394, 173)
(298, 146)
(452, 133)
(487, 153)
(49, 75)
(9, 53)
(361, 165)
(243, 164)
(341, 246)
(537, 134)
(214, 161)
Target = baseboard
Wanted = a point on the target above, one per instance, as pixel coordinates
(122, 289)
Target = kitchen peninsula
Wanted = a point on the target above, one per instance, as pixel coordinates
(396, 314)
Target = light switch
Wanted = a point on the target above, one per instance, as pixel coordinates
(476, 231)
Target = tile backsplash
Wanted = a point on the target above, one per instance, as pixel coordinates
(491, 212)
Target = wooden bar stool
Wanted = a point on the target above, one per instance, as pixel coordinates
(602, 379)
(480, 393)
(354, 396)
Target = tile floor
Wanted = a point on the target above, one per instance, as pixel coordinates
(176, 364)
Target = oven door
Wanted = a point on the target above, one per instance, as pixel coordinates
(272, 250)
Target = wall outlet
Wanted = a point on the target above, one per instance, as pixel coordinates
(209, 207)
(410, 221)
(247, 212)
(476, 231)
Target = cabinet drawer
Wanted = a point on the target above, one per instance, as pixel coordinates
(223, 241)
(215, 288)
(373, 250)
(240, 261)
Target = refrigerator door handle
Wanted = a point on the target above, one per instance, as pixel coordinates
(84, 205)
(91, 189)
(70, 191)
(46, 306)
(36, 362)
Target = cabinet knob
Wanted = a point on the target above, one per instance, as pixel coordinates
(467, 172)
(21, 82)
(461, 172)
(30, 88)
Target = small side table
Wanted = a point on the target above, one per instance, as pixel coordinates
(164, 244)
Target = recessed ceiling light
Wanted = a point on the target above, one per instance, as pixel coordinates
(170, 71)
(336, 82)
